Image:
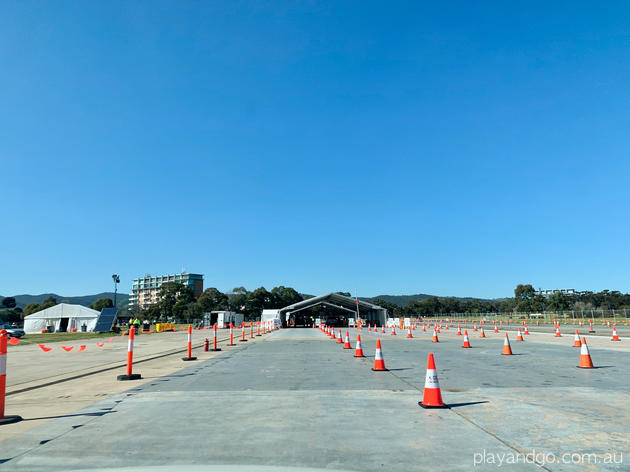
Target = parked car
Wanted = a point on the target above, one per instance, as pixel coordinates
(14, 332)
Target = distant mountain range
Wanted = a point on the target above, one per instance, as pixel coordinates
(122, 299)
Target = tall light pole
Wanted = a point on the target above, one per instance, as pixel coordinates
(116, 279)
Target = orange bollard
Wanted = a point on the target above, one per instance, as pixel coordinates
(4, 337)
(251, 330)
(214, 344)
(130, 375)
(189, 357)
(243, 340)
(231, 336)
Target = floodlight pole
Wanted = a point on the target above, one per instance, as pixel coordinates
(116, 279)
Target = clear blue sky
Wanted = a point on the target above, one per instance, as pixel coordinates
(388, 147)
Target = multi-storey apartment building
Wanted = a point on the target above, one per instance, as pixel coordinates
(145, 290)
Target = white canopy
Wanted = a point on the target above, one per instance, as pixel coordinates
(64, 317)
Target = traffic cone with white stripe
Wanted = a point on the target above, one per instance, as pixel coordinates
(432, 397)
(383, 330)
(526, 330)
(346, 343)
(507, 349)
(466, 340)
(435, 337)
(409, 335)
(482, 334)
(393, 331)
(379, 363)
(590, 329)
(615, 337)
(424, 328)
(576, 340)
(496, 330)
(459, 330)
(519, 336)
(339, 339)
(585, 357)
(558, 335)
(358, 351)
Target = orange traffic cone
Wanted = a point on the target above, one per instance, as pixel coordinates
(576, 340)
(466, 340)
(507, 349)
(615, 337)
(424, 328)
(519, 336)
(393, 331)
(339, 340)
(379, 363)
(346, 342)
(358, 352)
(526, 330)
(432, 397)
(585, 358)
(409, 335)
(435, 338)
(474, 327)
(383, 330)
(496, 330)
(482, 334)
(459, 330)
(590, 329)
(558, 335)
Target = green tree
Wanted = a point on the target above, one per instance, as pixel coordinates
(49, 302)
(284, 296)
(8, 302)
(257, 301)
(558, 302)
(193, 312)
(31, 308)
(101, 303)
(237, 299)
(524, 292)
(170, 294)
(384, 304)
(212, 299)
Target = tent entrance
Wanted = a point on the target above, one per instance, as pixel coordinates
(63, 325)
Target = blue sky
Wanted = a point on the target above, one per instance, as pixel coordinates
(387, 147)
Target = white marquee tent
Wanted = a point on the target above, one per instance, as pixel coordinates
(64, 317)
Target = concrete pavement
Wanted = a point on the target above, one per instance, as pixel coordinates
(299, 399)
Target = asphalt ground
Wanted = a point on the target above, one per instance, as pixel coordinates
(298, 399)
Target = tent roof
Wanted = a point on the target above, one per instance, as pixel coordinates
(334, 299)
(64, 310)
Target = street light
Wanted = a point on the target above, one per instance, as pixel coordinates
(116, 279)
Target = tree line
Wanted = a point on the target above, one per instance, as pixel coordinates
(526, 300)
(177, 300)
